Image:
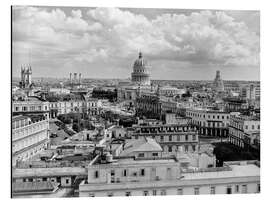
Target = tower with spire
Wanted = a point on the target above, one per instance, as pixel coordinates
(26, 76)
(218, 83)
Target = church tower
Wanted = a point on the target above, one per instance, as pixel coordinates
(218, 83)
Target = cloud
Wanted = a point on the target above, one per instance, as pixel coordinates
(113, 35)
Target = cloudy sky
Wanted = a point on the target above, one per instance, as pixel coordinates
(104, 42)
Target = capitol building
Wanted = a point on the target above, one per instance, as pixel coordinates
(140, 73)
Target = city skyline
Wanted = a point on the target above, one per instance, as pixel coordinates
(104, 42)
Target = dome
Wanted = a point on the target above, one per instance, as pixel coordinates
(140, 74)
(140, 62)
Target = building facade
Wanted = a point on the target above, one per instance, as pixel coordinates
(149, 106)
(90, 107)
(209, 122)
(174, 139)
(244, 131)
(28, 137)
(31, 106)
(144, 177)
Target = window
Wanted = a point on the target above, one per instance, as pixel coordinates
(213, 117)
(193, 137)
(169, 149)
(237, 188)
(222, 117)
(244, 188)
(229, 190)
(163, 192)
(125, 172)
(186, 137)
(196, 191)
(141, 155)
(154, 154)
(67, 181)
(96, 174)
(30, 179)
(142, 172)
(145, 193)
(110, 194)
(193, 148)
(186, 148)
(161, 138)
(259, 188)
(128, 194)
(212, 190)
(44, 179)
(178, 137)
(180, 191)
(154, 192)
(252, 127)
(170, 138)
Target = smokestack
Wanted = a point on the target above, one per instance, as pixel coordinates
(80, 77)
(75, 77)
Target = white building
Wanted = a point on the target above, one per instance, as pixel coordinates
(209, 122)
(28, 137)
(31, 106)
(90, 107)
(244, 131)
(138, 177)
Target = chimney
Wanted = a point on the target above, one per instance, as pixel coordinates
(75, 77)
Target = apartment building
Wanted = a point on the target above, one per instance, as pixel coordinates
(167, 176)
(244, 131)
(213, 123)
(173, 138)
(29, 136)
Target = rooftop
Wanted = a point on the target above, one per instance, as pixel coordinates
(236, 171)
(45, 172)
(141, 145)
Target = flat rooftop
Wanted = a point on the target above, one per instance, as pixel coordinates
(249, 170)
(46, 172)
(118, 161)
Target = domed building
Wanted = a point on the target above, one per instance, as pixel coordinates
(140, 73)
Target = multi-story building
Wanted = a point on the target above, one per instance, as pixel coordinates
(29, 136)
(88, 106)
(210, 122)
(235, 104)
(251, 92)
(31, 106)
(148, 105)
(174, 139)
(166, 176)
(244, 131)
